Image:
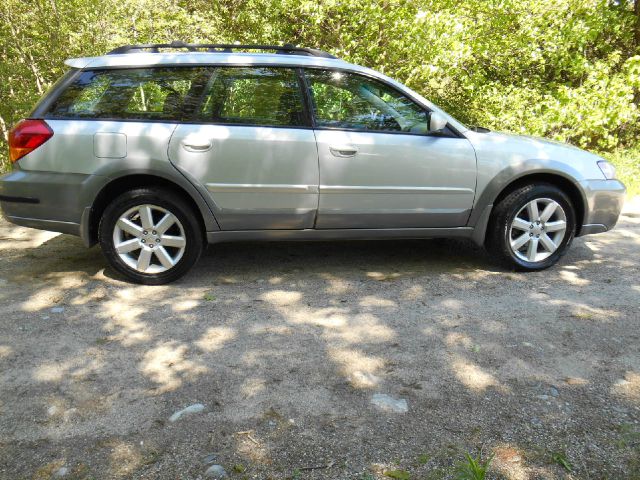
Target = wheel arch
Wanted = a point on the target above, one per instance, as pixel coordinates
(563, 183)
(493, 194)
(130, 181)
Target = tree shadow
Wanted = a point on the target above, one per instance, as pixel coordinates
(285, 344)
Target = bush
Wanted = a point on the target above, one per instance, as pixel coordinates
(567, 69)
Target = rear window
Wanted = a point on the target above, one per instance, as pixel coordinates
(136, 94)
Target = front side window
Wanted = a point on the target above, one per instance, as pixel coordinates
(354, 102)
(254, 96)
(136, 94)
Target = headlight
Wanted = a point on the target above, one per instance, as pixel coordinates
(608, 170)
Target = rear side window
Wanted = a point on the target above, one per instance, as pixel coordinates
(135, 94)
(254, 96)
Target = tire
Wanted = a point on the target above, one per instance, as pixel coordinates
(150, 235)
(520, 242)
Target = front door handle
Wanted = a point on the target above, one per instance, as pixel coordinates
(343, 150)
(193, 144)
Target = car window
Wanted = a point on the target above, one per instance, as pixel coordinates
(350, 101)
(254, 96)
(142, 93)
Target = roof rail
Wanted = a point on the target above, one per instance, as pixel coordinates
(220, 48)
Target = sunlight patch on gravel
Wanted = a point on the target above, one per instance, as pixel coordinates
(336, 285)
(129, 329)
(5, 351)
(339, 325)
(168, 366)
(355, 365)
(473, 377)
(253, 386)
(510, 462)
(628, 387)
(573, 278)
(47, 297)
(281, 297)
(457, 338)
(372, 301)
(185, 305)
(215, 338)
(413, 292)
(14, 238)
(76, 368)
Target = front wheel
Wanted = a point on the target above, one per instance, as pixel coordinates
(532, 227)
(151, 236)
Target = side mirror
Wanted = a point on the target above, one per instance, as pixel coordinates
(437, 122)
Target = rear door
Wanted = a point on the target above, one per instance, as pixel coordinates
(380, 167)
(253, 148)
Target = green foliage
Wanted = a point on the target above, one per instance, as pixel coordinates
(472, 468)
(567, 69)
(560, 458)
(239, 468)
(627, 163)
(397, 474)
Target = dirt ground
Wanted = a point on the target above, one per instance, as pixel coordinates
(285, 345)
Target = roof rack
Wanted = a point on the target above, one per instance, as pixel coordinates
(287, 49)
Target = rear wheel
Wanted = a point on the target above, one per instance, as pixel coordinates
(150, 235)
(532, 227)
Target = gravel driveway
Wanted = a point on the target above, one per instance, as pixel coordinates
(286, 346)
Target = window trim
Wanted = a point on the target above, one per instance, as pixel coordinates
(306, 98)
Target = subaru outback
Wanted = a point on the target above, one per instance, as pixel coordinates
(154, 150)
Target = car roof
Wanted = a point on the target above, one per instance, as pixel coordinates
(148, 59)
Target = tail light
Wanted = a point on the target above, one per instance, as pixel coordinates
(26, 136)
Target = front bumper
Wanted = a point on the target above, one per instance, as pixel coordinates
(58, 202)
(603, 203)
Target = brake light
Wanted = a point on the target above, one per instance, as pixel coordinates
(26, 136)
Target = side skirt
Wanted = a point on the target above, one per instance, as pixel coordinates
(338, 234)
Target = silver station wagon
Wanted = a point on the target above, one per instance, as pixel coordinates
(153, 150)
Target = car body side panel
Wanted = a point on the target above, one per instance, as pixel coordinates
(394, 180)
(256, 177)
(73, 145)
(54, 197)
(72, 153)
(504, 158)
(605, 199)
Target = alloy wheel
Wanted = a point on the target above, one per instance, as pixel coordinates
(537, 230)
(149, 239)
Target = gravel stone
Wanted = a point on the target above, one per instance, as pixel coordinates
(191, 409)
(389, 404)
(215, 471)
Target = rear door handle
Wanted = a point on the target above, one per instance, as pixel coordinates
(195, 144)
(343, 150)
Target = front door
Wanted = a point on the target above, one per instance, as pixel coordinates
(253, 149)
(380, 167)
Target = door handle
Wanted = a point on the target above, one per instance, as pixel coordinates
(343, 150)
(196, 144)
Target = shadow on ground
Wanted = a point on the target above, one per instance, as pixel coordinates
(285, 344)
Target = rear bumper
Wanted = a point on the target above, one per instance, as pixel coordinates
(58, 202)
(604, 201)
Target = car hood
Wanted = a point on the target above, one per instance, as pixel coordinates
(535, 141)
